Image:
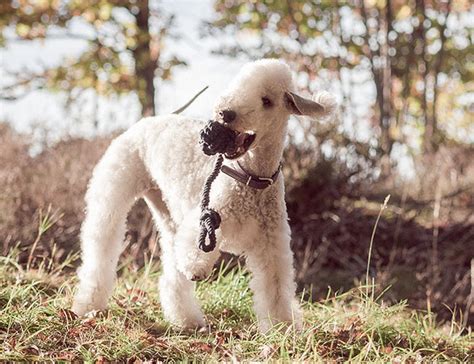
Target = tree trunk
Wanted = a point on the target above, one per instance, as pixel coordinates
(432, 139)
(428, 133)
(408, 77)
(145, 62)
(381, 74)
(386, 86)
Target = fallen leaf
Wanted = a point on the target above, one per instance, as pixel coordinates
(74, 332)
(31, 350)
(205, 347)
(267, 351)
(64, 356)
(67, 315)
(90, 321)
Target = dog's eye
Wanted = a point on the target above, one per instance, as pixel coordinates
(266, 102)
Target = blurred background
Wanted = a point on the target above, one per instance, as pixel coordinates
(74, 73)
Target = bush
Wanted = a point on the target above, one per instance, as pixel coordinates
(331, 215)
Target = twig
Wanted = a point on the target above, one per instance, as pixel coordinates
(383, 207)
(185, 106)
(435, 238)
(46, 221)
(470, 298)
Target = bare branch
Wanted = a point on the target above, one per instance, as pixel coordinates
(185, 106)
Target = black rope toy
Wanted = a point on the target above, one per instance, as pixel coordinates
(215, 138)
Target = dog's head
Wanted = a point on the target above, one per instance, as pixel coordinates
(259, 101)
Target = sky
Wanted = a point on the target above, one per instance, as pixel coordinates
(41, 113)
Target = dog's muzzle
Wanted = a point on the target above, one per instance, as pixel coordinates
(217, 138)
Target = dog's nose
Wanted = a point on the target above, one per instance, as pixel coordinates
(228, 116)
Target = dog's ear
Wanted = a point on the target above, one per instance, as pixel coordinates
(323, 104)
(300, 106)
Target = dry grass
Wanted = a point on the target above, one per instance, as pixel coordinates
(331, 222)
(54, 180)
(37, 325)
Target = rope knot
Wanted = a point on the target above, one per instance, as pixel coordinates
(210, 220)
(210, 217)
(216, 138)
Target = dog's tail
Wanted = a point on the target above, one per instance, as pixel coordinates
(118, 179)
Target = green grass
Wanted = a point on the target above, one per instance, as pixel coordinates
(36, 324)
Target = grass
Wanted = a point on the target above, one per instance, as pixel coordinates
(36, 324)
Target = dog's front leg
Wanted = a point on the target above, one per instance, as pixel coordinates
(195, 264)
(273, 285)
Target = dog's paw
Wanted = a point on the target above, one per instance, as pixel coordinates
(196, 267)
(197, 272)
(89, 298)
(87, 309)
(196, 323)
(187, 321)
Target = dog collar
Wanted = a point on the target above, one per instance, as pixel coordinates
(240, 175)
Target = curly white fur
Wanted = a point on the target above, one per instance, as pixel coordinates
(159, 159)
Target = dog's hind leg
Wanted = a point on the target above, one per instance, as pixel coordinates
(117, 180)
(179, 305)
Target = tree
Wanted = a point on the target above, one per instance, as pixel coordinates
(405, 48)
(124, 46)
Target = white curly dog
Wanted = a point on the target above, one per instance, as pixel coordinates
(160, 159)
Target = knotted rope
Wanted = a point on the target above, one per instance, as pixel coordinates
(214, 139)
(210, 219)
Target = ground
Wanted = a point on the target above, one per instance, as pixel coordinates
(36, 323)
